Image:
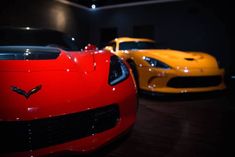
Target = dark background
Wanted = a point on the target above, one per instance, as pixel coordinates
(183, 25)
(197, 25)
(193, 25)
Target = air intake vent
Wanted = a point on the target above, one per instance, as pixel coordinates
(28, 53)
(189, 59)
(194, 82)
(18, 136)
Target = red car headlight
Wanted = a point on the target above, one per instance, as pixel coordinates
(118, 71)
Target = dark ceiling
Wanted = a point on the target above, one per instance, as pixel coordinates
(102, 3)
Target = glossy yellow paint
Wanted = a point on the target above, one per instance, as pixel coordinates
(156, 79)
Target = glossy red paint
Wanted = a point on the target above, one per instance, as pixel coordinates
(90, 47)
(74, 82)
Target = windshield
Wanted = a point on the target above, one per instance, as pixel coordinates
(140, 45)
(36, 37)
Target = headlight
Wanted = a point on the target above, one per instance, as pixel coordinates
(118, 71)
(156, 63)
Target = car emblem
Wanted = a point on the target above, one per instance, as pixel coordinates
(24, 93)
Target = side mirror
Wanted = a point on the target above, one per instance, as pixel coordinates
(90, 47)
(109, 48)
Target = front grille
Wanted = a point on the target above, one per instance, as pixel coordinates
(30, 135)
(194, 82)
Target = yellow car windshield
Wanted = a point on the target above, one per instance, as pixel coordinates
(140, 45)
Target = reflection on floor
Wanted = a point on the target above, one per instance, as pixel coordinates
(179, 126)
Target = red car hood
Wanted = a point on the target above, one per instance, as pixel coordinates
(63, 86)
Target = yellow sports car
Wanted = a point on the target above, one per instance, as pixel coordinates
(166, 70)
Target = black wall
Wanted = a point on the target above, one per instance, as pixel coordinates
(46, 14)
(177, 25)
(186, 25)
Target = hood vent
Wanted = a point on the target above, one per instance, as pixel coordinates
(189, 59)
(28, 53)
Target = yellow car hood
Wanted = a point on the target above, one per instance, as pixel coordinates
(179, 59)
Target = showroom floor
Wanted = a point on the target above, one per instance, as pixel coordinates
(185, 126)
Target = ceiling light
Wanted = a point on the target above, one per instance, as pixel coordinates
(93, 6)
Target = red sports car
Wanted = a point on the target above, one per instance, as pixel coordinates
(56, 99)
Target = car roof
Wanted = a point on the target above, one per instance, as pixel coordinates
(128, 39)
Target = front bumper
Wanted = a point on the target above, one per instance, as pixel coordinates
(157, 80)
(82, 142)
(64, 140)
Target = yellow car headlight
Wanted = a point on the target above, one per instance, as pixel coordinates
(156, 63)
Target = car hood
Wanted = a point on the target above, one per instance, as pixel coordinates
(179, 59)
(32, 88)
(39, 58)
